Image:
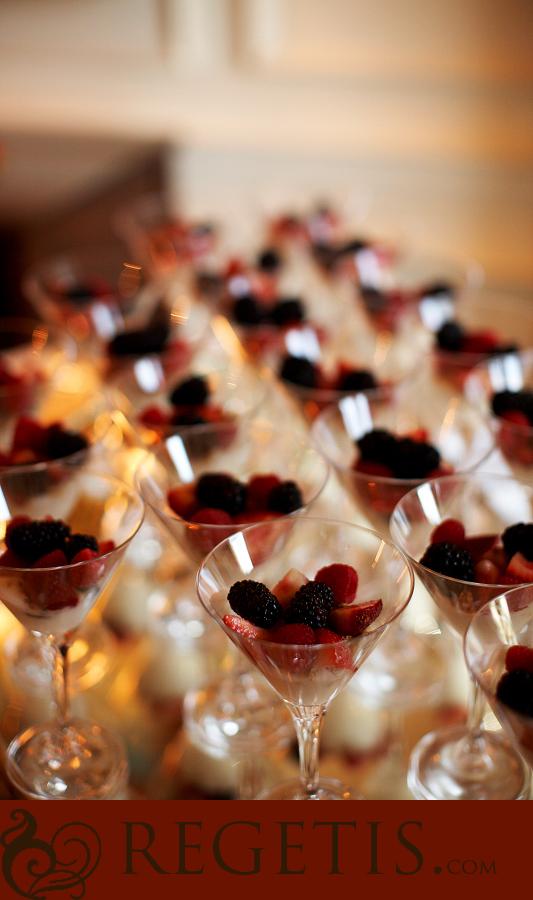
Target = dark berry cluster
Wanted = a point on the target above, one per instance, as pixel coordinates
(33, 540)
(253, 601)
(515, 689)
(193, 391)
(248, 310)
(450, 560)
(405, 457)
(519, 539)
(305, 373)
(142, 341)
(221, 491)
(513, 401)
(310, 605)
(285, 497)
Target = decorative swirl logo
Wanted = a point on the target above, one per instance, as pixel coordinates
(33, 868)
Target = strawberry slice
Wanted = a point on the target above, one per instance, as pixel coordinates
(478, 545)
(105, 547)
(246, 629)
(343, 581)
(287, 586)
(152, 415)
(338, 656)
(50, 589)
(519, 657)
(295, 633)
(86, 576)
(354, 619)
(519, 570)
(182, 499)
(29, 434)
(296, 652)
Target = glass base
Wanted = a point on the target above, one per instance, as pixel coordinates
(328, 789)
(77, 761)
(237, 714)
(29, 663)
(449, 765)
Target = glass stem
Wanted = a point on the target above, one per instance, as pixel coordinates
(249, 777)
(308, 724)
(474, 717)
(60, 647)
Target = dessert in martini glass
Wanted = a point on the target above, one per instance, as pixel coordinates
(306, 613)
(60, 547)
(468, 538)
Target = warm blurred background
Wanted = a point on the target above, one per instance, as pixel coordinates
(416, 117)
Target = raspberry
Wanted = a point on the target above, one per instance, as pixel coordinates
(286, 311)
(285, 497)
(295, 633)
(191, 392)
(342, 579)
(78, 542)
(519, 657)
(450, 530)
(310, 605)
(35, 539)
(259, 487)
(221, 491)
(84, 577)
(357, 380)
(450, 560)
(519, 539)
(299, 370)
(253, 601)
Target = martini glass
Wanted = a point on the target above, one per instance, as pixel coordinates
(505, 622)
(462, 762)
(502, 389)
(407, 670)
(67, 757)
(306, 677)
(233, 713)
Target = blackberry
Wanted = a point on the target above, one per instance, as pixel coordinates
(31, 540)
(414, 459)
(519, 539)
(353, 246)
(450, 336)
(310, 605)
(357, 380)
(80, 294)
(515, 689)
(285, 497)
(378, 446)
(269, 260)
(299, 370)
(141, 342)
(520, 401)
(62, 443)
(253, 601)
(187, 419)
(78, 542)
(289, 310)
(438, 289)
(248, 311)
(192, 391)
(221, 492)
(448, 559)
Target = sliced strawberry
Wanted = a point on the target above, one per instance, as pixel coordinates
(182, 499)
(245, 628)
(354, 619)
(287, 586)
(451, 530)
(84, 577)
(519, 570)
(295, 633)
(478, 545)
(519, 657)
(50, 589)
(11, 560)
(339, 656)
(486, 572)
(105, 547)
(259, 487)
(480, 341)
(30, 434)
(343, 581)
(153, 415)
(211, 516)
(515, 417)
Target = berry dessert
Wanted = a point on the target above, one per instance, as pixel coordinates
(50, 571)
(318, 386)
(219, 499)
(459, 349)
(489, 560)
(514, 692)
(32, 442)
(190, 402)
(311, 621)
(514, 409)
(385, 460)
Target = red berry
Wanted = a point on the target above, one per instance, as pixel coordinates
(369, 467)
(515, 417)
(182, 499)
(210, 516)
(50, 589)
(152, 415)
(480, 545)
(519, 657)
(30, 435)
(259, 487)
(295, 633)
(11, 560)
(245, 628)
(339, 656)
(105, 547)
(353, 620)
(84, 577)
(449, 530)
(342, 579)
